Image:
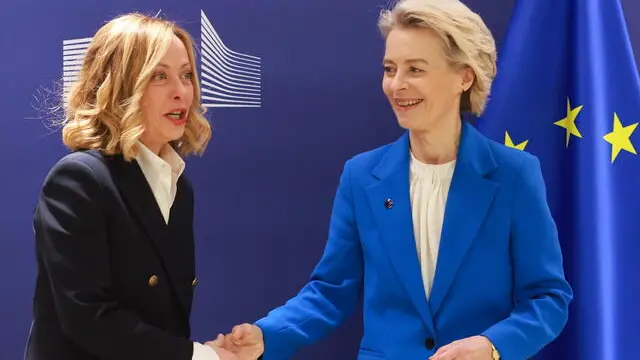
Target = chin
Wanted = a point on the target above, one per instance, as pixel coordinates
(175, 136)
(406, 122)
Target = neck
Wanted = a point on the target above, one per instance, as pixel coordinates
(437, 145)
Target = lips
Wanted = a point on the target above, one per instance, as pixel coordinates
(177, 116)
(406, 104)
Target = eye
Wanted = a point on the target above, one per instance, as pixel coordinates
(159, 76)
(188, 75)
(389, 70)
(416, 70)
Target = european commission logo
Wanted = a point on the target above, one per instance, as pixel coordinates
(73, 52)
(228, 78)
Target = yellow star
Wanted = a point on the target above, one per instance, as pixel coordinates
(509, 142)
(569, 122)
(619, 137)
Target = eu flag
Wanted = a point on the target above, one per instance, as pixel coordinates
(568, 92)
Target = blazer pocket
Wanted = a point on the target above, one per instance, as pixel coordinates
(365, 354)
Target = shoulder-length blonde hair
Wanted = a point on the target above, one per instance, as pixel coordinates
(102, 109)
(467, 41)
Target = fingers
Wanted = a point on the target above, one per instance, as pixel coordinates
(243, 334)
(243, 338)
(448, 352)
(222, 342)
(241, 330)
(440, 352)
(447, 355)
(217, 342)
(224, 354)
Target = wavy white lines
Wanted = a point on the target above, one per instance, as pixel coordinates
(229, 78)
(73, 52)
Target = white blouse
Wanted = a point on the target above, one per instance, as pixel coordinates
(429, 187)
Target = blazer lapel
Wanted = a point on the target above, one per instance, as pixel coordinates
(140, 200)
(182, 256)
(468, 202)
(391, 206)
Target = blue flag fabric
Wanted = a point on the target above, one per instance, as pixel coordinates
(568, 92)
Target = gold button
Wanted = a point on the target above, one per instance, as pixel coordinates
(195, 282)
(153, 280)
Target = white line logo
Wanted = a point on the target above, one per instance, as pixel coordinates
(73, 52)
(228, 78)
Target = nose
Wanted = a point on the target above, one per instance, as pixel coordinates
(398, 82)
(179, 89)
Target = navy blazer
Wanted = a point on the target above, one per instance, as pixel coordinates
(114, 282)
(499, 271)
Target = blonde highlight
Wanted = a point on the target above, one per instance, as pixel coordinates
(466, 40)
(103, 110)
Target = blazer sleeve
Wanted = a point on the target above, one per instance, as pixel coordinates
(332, 292)
(542, 295)
(71, 240)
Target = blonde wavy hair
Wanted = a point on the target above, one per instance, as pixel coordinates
(102, 109)
(467, 41)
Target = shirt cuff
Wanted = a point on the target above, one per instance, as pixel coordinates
(204, 352)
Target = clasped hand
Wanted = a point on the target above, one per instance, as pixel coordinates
(244, 342)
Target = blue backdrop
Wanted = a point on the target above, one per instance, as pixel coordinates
(264, 187)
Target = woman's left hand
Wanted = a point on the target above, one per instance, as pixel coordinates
(472, 348)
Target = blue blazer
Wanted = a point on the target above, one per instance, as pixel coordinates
(499, 271)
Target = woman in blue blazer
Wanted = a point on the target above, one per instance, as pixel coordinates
(445, 233)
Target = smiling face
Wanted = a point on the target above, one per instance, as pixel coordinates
(420, 84)
(168, 98)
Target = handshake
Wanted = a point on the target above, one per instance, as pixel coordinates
(244, 342)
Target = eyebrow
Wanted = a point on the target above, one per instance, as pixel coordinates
(181, 67)
(387, 61)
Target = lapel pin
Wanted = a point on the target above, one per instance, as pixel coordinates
(388, 203)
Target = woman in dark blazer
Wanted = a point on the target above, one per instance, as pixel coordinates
(446, 234)
(114, 221)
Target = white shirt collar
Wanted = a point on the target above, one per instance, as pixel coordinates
(162, 174)
(149, 160)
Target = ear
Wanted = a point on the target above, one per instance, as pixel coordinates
(467, 77)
